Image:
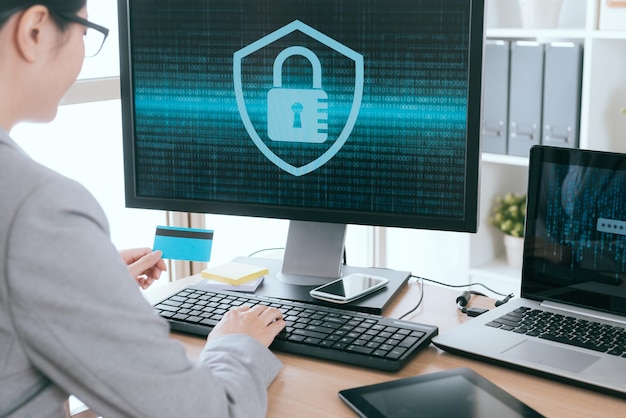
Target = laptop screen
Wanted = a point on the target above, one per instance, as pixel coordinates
(575, 239)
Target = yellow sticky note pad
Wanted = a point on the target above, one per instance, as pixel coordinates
(234, 273)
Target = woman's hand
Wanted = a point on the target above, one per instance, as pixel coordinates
(144, 265)
(260, 322)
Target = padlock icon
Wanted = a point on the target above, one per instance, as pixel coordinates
(297, 115)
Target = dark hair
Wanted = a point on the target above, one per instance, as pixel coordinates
(57, 8)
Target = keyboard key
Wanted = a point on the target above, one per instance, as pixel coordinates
(297, 338)
(193, 319)
(312, 341)
(396, 353)
(165, 307)
(505, 322)
(209, 322)
(359, 349)
(340, 346)
(408, 342)
(308, 333)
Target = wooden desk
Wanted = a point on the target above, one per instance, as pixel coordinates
(308, 388)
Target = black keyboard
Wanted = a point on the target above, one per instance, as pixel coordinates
(312, 330)
(564, 329)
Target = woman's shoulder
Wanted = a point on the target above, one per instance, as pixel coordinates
(26, 183)
(22, 176)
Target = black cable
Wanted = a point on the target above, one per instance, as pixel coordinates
(464, 299)
(462, 285)
(461, 300)
(505, 300)
(419, 302)
(265, 249)
(345, 255)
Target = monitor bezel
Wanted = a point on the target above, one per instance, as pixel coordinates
(467, 223)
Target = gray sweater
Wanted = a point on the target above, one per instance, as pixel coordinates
(73, 321)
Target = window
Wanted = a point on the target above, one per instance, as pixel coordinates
(107, 62)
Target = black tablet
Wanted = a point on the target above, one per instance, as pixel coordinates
(459, 393)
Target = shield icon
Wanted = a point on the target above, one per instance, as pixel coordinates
(244, 107)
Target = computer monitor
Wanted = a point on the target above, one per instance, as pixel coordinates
(323, 112)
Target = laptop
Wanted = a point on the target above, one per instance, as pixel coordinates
(574, 271)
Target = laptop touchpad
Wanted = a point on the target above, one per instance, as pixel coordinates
(551, 356)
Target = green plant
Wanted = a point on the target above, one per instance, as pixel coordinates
(508, 214)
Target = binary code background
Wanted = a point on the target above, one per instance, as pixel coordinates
(406, 153)
(570, 235)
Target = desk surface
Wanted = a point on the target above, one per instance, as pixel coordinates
(310, 386)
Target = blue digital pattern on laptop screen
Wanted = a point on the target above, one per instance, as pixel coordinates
(585, 221)
(575, 245)
(365, 110)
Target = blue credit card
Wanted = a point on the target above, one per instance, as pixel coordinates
(191, 244)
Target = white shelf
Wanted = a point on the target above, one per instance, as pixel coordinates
(518, 33)
(504, 159)
(601, 123)
(498, 275)
(616, 34)
(497, 268)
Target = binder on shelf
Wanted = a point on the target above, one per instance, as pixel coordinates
(495, 96)
(525, 96)
(561, 94)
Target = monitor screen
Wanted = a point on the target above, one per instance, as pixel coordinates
(334, 111)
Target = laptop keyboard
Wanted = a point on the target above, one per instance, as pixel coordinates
(577, 332)
(312, 330)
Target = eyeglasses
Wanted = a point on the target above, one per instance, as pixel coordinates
(94, 37)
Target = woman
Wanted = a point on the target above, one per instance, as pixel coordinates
(71, 319)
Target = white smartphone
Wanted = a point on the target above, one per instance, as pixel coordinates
(349, 288)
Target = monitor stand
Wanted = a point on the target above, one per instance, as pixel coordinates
(313, 256)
